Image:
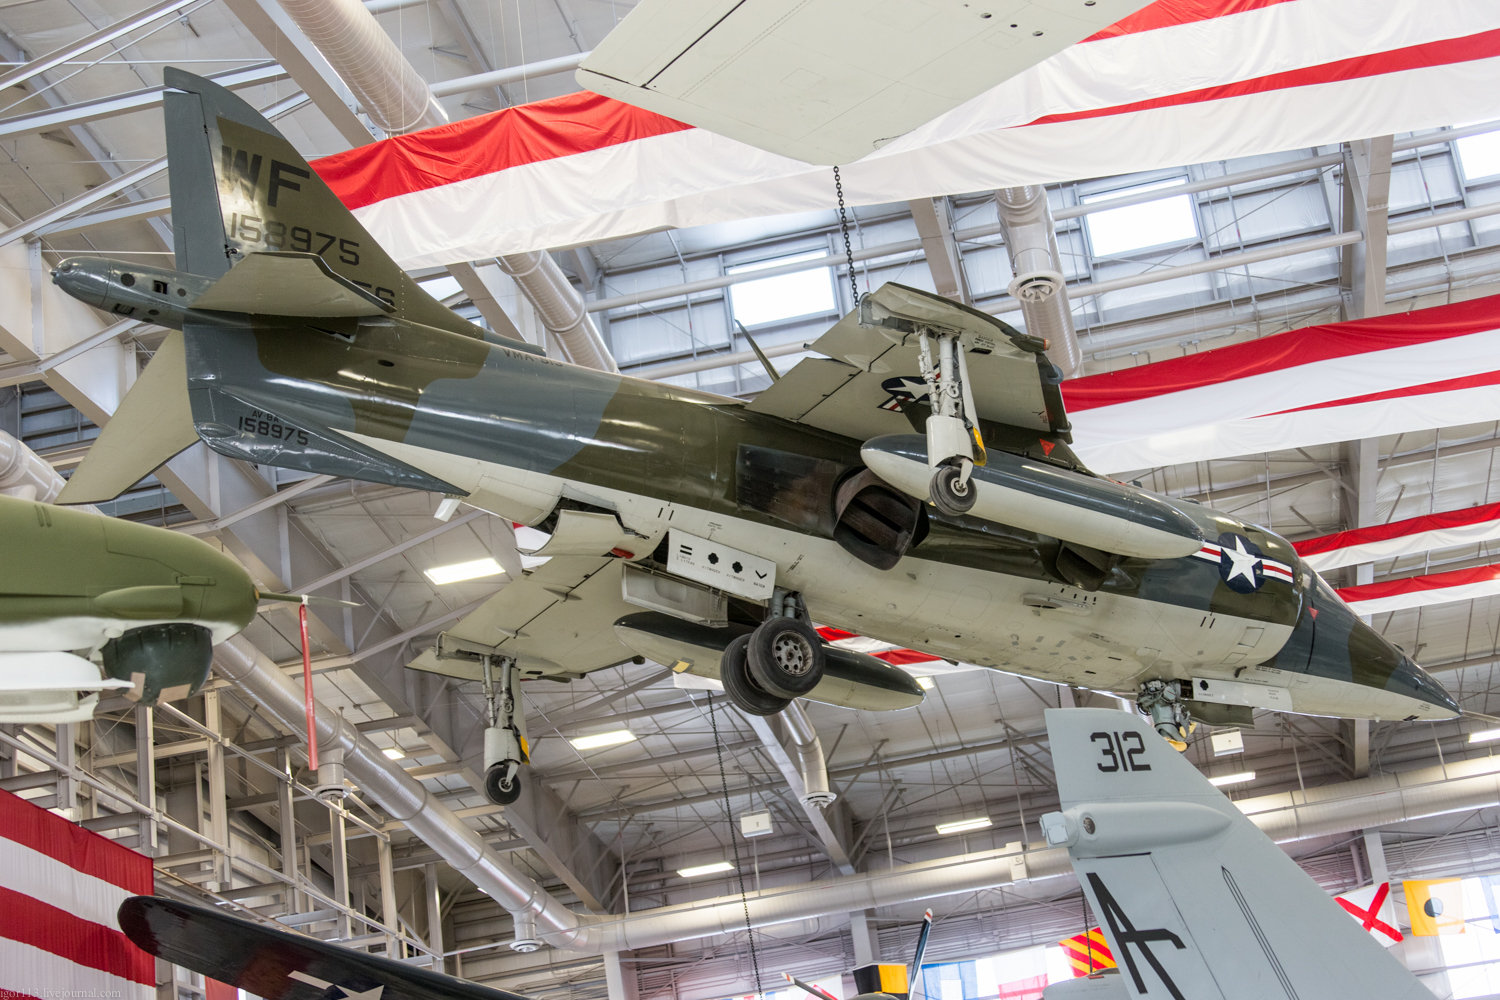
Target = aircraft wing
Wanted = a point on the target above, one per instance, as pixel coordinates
(823, 80)
(278, 965)
(872, 369)
(558, 620)
(1194, 900)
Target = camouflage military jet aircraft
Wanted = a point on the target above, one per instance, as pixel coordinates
(702, 531)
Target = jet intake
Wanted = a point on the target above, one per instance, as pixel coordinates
(876, 523)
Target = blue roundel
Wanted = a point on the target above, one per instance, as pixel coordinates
(1241, 563)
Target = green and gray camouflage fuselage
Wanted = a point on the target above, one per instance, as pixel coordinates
(305, 346)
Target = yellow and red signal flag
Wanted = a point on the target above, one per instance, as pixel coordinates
(1088, 953)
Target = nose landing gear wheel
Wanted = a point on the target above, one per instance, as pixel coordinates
(746, 695)
(502, 782)
(950, 495)
(786, 657)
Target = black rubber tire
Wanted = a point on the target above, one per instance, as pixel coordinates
(944, 491)
(786, 657)
(494, 787)
(744, 693)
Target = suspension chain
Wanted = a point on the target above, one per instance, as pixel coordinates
(838, 185)
(739, 869)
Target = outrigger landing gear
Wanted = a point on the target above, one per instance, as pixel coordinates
(504, 742)
(953, 442)
(781, 660)
(1163, 702)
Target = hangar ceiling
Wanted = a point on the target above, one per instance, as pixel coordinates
(612, 827)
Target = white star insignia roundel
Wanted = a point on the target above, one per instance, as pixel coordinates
(1241, 563)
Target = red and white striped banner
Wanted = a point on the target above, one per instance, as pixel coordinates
(892, 654)
(60, 888)
(1420, 591)
(1469, 526)
(1337, 382)
(1180, 81)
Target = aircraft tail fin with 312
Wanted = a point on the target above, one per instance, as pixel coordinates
(1195, 901)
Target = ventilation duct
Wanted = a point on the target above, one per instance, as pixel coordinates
(1038, 285)
(398, 793)
(560, 307)
(809, 753)
(25, 474)
(388, 89)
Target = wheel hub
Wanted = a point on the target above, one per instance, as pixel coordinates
(792, 654)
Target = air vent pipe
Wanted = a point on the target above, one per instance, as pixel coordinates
(809, 752)
(398, 793)
(1039, 286)
(25, 474)
(387, 87)
(560, 307)
(392, 93)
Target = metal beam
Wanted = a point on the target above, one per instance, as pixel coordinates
(68, 115)
(1367, 192)
(103, 36)
(654, 760)
(823, 824)
(511, 74)
(935, 228)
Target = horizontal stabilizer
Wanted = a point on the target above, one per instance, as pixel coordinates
(154, 422)
(289, 284)
(1193, 899)
(278, 965)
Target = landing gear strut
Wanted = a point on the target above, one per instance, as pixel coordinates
(953, 442)
(1163, 702)
(781, 660)
(504, 741)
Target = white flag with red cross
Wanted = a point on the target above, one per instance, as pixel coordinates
(1373, 908)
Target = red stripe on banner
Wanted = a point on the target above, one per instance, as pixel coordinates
(831, 634)
(74, 846)
(1421, 584)
(1484, 45)
(512, 137)
(1282, 351)
(1426, 389)
(82, 942)
(1170, 13)
(1397, 529)
(897, 657)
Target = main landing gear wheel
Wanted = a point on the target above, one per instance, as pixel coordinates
(744, 693)
(502, 782)
(950, 494)
(786, 657)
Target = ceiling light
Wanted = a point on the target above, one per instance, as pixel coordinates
(393, 753)
(925, 683)
(1232, 779)
(602, 739)
(965, 825)
(1484, 736)
(713, 869)
(459, 572)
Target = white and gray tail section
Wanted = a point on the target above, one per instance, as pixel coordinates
(1195, 901)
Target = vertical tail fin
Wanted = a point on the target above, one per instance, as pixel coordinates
(239, 187)
(1195, 901)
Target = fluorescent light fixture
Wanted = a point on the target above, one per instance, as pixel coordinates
(965, 825)
(713, 869)
(1484, 736)
(459, 572)
(925, 683)
(1232, 779)
(597, 740)
(393, 753)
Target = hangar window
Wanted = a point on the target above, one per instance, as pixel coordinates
(1153, 223)
(1480, 155)
(782, 296)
